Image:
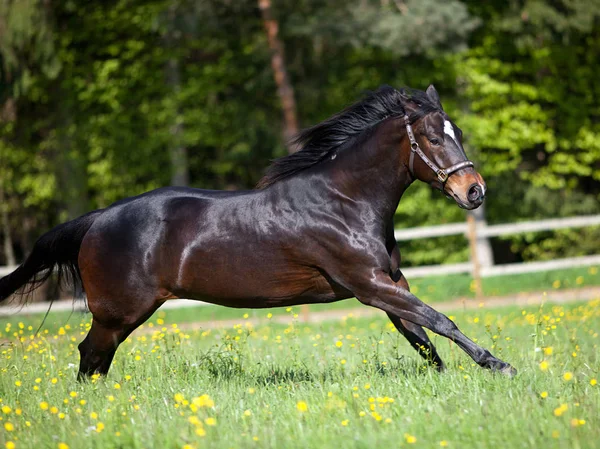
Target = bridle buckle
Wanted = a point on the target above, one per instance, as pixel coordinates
(442, 175)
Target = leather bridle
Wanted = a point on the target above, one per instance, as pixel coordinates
(442, 173)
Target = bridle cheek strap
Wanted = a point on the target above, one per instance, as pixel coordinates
(442, 173)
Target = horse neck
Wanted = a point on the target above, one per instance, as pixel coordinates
(375, 172)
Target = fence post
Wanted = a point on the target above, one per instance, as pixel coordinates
(472, 235)
(484, 248)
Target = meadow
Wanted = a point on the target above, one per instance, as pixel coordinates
(351, 383)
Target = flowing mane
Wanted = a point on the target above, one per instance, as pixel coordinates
(318, 142)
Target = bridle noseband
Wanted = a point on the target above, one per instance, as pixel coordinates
(442, 173)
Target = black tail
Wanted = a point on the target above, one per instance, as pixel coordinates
(57, 249)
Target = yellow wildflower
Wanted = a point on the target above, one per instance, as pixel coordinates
(302, 406)
(410, 439)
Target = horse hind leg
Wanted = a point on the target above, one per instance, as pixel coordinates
(99, 346)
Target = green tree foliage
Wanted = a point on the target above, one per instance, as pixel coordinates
(104, 91)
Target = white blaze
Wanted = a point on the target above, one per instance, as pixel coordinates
(449, 131)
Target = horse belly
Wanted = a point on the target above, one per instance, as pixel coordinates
(256, 283)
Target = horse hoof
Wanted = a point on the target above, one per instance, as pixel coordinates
(508, 370)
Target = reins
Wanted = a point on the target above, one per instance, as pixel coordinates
(442, 173)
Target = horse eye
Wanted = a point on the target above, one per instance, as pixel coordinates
(434, 141)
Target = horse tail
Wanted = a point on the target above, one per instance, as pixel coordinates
(57, 250)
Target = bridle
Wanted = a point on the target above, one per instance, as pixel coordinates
(442, 173)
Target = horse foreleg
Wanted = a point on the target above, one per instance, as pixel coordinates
(378, 290)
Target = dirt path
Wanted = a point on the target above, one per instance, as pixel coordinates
(523, 299)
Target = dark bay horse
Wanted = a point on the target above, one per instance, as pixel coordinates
(317, 229)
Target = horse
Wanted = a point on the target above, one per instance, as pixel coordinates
(317, 228)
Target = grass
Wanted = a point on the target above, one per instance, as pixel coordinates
(351, 383)
(431, 290)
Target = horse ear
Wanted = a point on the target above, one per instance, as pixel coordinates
(433, 95)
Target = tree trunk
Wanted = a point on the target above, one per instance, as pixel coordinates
(7, 246)
(284, 87)
(8, 113)
(180, 174)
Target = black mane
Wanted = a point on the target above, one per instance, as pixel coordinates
(318, 142)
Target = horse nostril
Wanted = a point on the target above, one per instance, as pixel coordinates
(475, 193)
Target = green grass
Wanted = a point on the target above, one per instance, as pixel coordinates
(362, 385)
(431, 290)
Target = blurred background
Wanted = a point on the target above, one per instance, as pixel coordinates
(104, 100)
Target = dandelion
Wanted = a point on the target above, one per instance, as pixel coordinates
(302, 406)
(593, 382)
(6, 409)
(544, 365)
(210, 421)
(44, 405)
(568, 376)
(548, 350)
(247, 413)
(251, 390)
(200, 431)
(18, 383)
(99, 427)
(9, 427)
(117, 386)
(339, 344)
(577, 422)
(345, 422)
(73, 394)
(203, 401)
(10, 445)
(63, 446)
(558, 411)
(410, 439)
(444, 443)
(544, 394)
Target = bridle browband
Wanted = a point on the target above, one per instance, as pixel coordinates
(442, 173)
